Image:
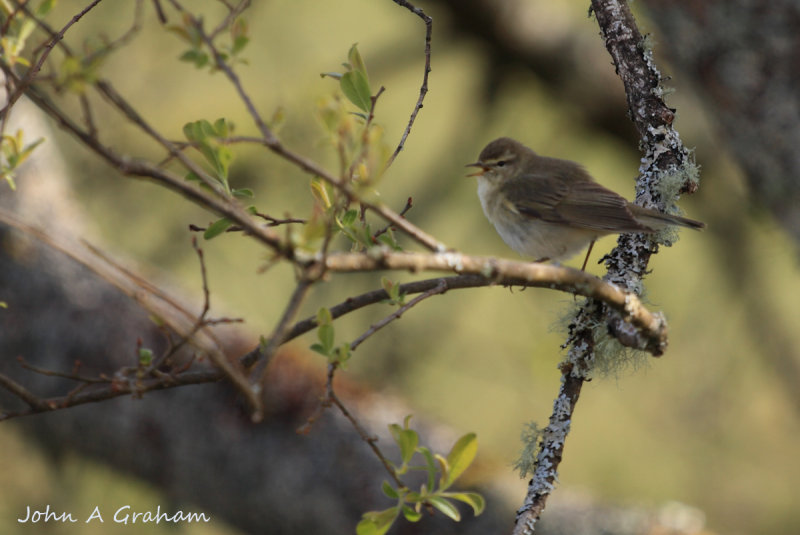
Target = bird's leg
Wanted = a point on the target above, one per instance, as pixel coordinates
(588, 252)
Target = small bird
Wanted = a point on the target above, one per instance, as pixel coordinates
(550, 209)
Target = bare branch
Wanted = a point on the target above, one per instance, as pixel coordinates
(36, 404)
(423, 90)
(93, 395)
(278, 335)
(652, 326)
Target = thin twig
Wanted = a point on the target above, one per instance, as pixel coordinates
(36, 404)
(126, 37)
(278, 335)
(371, 440)
(423, 90)
(330, 398)
(228, 20)
(402, 213)
(119, 389)
(440, 288)
(64, 375)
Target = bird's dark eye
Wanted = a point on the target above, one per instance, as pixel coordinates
(501, 163)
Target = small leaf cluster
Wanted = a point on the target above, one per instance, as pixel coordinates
(354, 82)
(17, 28)
(336, 354)
(198, 55)
(392, 288)
(360, 233)
(14, 152)
(359, 141)
(362, 154)
(78, 72)
(332, 213)
(433, 493)
(210, 140)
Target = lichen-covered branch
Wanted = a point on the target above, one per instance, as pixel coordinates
(665, 172)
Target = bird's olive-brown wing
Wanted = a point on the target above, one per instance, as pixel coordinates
(579, 204)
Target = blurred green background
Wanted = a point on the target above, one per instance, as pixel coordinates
(709, 424)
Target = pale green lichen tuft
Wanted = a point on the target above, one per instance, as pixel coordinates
(531, 437)
(668, 186)
(671, 182)
(611, 358)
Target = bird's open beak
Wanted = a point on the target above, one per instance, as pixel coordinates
(482, 167)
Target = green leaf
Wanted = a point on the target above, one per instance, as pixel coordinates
(445, 506)
(193, 132)
(389, 241)
(206, 128)
(321, 192)
(430, 466)
(355, 87)
(325, 333)
(243, 193)
(357, 62)
(343, 354)
(9, 178)
(239, 43)
(377, 522)
(217, 227)
(319, 349)
(198, 57)
(460, 457)
(336, 75)
(473, 499)
(45, 7)
(222, 160)
(145, 356)
(221, 127)
(3, 304)
(389, 490)
(324, 316)
(392, 289)
(411, 515)
(349, 217)
(407, 440)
